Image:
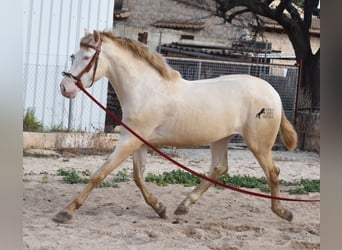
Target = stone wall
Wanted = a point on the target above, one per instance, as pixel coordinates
(94, 142)
(280, 41)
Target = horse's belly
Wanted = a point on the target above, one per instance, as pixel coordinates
(192, 133)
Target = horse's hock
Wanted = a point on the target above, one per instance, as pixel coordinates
(308, 129)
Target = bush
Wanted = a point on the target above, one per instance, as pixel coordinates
(30, 122)
(302, 186)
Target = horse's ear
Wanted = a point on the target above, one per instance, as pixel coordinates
(96, 36)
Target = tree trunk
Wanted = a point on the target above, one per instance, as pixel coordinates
(311, 78)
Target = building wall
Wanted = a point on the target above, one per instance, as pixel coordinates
(145, 13)
(280, 41)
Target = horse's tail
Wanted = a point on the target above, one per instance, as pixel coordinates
(287, 133)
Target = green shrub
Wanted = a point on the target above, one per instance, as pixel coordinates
(58, 128)
(30, 122)
(82, 177)
(302, 186)
(173, 177)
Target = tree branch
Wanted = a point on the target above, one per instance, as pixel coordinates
(236, 13)
(282, 6)
(293, 12)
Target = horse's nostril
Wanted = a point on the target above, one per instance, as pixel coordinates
(63, 88)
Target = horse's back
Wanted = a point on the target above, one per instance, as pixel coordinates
(236, 89)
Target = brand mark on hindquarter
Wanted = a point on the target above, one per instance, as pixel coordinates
(265, 113)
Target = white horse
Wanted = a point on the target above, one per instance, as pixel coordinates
(166, 109)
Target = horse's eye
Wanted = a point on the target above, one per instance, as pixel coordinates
(72, 57)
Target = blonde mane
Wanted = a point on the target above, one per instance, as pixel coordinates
(142, 52)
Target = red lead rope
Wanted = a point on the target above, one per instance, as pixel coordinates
(79, 84)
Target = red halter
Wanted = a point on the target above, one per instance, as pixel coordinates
(93, 61)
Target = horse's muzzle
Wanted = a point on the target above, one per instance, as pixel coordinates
(68, 88)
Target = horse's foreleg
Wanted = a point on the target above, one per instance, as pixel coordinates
(139, 161)
(219, 166)
(124, 148)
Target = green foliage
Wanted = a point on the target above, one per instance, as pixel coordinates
(30, 122)
(72, 176)
(58, 128)
(82, 177)
(121, 176)
(246, 182)
(173, 177)
(305, 186)
(302, 186)
(299, 3)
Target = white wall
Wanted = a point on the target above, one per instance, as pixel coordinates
(53, 28)
(52, 31)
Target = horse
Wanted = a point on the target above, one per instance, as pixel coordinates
(165, 109)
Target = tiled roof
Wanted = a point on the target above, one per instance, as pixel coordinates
(209, 51)
(179, 25)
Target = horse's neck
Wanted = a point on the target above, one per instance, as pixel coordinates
(130, 77)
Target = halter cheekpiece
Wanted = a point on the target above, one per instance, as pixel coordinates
(93, 61)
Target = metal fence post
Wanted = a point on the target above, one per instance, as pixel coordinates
(71, 102)
(199, 70)
(70, 115)
(160, 41)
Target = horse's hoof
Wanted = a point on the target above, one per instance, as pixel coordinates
(162, 211)
(162, 214)
(284, 214)
(288, 215)
(62, 217)
(181, 210)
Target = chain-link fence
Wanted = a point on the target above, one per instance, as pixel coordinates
(55, 112)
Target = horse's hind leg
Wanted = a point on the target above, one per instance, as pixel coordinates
(139, 161)
(219, 166)
(272, 172)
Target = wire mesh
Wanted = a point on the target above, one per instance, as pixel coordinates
(55, 112)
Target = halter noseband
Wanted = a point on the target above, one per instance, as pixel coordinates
(93, 61)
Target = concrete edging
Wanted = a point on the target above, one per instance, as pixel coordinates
(64, 141)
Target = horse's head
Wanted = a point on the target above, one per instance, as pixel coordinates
(88, 66)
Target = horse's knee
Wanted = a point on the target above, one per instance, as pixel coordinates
(97, 179)
(277, 170)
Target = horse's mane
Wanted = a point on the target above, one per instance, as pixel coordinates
(142, 52)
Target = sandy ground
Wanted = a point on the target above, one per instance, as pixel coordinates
(119, 218)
